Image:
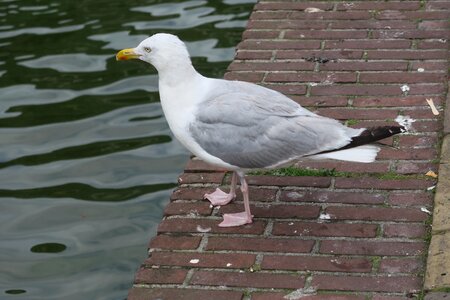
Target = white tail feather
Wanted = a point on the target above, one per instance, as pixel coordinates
(364, 154)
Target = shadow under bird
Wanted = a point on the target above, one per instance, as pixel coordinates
(241, 126)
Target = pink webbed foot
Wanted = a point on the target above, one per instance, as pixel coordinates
(237, 219)
(219, 197)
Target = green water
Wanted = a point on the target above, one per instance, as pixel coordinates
(87, 161)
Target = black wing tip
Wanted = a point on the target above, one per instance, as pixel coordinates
(374, 134)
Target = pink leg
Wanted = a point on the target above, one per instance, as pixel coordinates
(241, 218)
(219, 197)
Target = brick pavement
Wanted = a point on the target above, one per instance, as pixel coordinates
(362, 234)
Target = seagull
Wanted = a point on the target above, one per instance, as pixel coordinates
(240, 126)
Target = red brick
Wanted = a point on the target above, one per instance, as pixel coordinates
(207, 225)
(331, 15)
(140, 293)
(259, 194)
(357, 90)
(324, 229)
(420, 198)
(427, 126)
(320, 101)
(310, 77)
(409, 34)
(260, 34)
(253, 55)
(406, 54)
(287, 24)
(427, 89)
(271, 66)
(332, 197)
(374, 123)
(365, 66)
(438, 5)
(417, 141)
(376, 214)
(412, 15)
(377, 89)
(282, 296)
(432, 45)
(255, 280)
(405, 230)
(401, 265)
(276, 45)
(160, 276)
(407, 167)
(439, 66)
(269, 15)
(315, 263)
(325, 34)
(329, 54)
(374, 183)
(288, 89)
(300, 181)
(368, 44)
(409, 154)
(281, 211)
(197, 193)
(372, 248)
(292, 5)
(245, 76)
(400, 77)
(420, 113)
(260, 244)
(395, 101)
(185, 193)
(372, 5)
(188, 178)
(367, 283)
(191, 208)
(205, 260)
(430, 25)
(358, 114)
(169, 242)
(385, 297)
(341, 166)
(373, 24)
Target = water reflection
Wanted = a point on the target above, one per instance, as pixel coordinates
(74, 62)
(87, 161)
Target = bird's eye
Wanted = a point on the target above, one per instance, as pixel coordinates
(147, 49)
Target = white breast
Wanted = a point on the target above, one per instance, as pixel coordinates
(179, 104)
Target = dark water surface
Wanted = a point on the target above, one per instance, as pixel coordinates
(87, 161)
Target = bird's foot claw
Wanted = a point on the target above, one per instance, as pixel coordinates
(237, 219)
(219, 197)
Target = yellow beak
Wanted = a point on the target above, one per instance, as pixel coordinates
(127, 54)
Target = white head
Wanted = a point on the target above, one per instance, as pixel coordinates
(162, 50)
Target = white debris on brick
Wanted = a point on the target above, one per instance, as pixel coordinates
(300, 293)
(405, 88)
(405, 121)
(324, 216)
(312, 9)
(423, 209)
(203, 230)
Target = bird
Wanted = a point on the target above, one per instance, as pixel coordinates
(240, 126)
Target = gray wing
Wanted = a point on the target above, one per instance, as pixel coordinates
(249, 131)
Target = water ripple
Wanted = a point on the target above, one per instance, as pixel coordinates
(40, 30)
(74, 62)
(87, 160)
